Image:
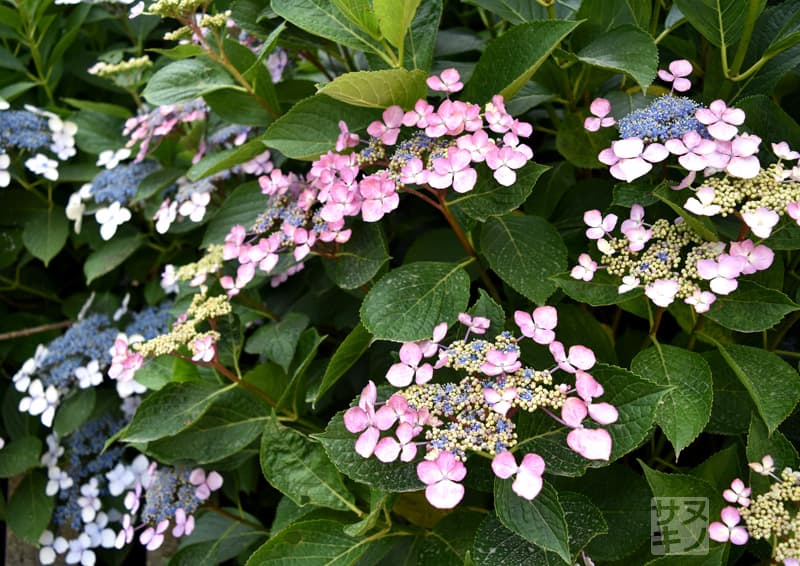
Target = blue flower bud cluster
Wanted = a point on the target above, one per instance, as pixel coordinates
(120, 183)
(169, 490)
(150, 321)
(24, 130)
(667, 117)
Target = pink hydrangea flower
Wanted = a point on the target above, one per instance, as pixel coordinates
(202, 349)
(503, 161)
(361, 418)
(408, 369)
(737, 493)
(204, 484)
(448, 81)
(636, 219)
(678, 71)
(662, 291)
(184, 524)
(496, 117)
(528, 482)
(478, 144)
(629, 283)
(414, 172)
(793, 210)
(431, 347)
(598, 224)
(700, 300)
(419, 115)
(153, 537)
(703, 202)
(758, 257)
(692, 149)
(475, 325)
(585, 269)
(379, 197)
(600, 109)
(389, 448)
(441, 476)
(765, 467)
(233, 242)
(498, 362)
(722, 122)
(737, 157)
(539, 324)
(638, 237)
(453, 170)
(346, 138)
(499, 401)
(244, 274)
(388, 129)
(629, 159)
(591, 443)
(579, 357)
(728, 530)
(395, 409)
(761, 221)
(722, 272)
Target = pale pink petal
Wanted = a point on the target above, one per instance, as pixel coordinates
(387, 450)
(603, 413)
(504, 465)
(573, 412)
(592, 444)
(444, 495)
(365, 445)
(527, 485)
(400, 375)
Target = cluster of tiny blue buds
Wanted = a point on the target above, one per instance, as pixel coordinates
(120, 183)
(150, 321)
(24, 130)
(665, 118)
(169, 490)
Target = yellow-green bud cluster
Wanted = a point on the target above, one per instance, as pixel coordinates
(461, 419)
(177, 9)
(185, 331)
(211, 262)
(671, 253)
(769, 189)
(110, 70)
(773, 515)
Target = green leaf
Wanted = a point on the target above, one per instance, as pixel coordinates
(111, 255)
(490, 198)
(156, 181)
(278, 340)
(623, 498)
(230, 424)
(171, 409)
(19, 455)
(243, 206)
(339, 444)
(323, 18)
(514, 11)
(97, 132)
(183, 51)
(309, 543)
(378, 89)
(448, 543)
(732, 402)
(773, 384)
(360, 13)
(686, 408)
(421, 38)
(225, 159)
(540, 521)
(359, 259)
(487, 308)
(636, 401)
(525, 251)
(300, 469)
(217, 538)
(395, 17)
(511, 60)
(408, 302)
(45, 233)
(495, 544)
(183, 81)
(715, 557)
(348, 353)
(99, 107)
(74, 411)
(29, 508)
(720, 21)
(751, 308)
(626, 49)
(311, 126)
(293, 396)
(663, 484)
(237, 107)
(628, 194)
(158, 372)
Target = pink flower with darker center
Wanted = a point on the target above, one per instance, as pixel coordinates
(538, 325)
(361, 418)
(379, 197)
(202, 349)
(499, 400)
(204, 484)
(346, 138)
(737, 157)
(722, 272)
(758, 257)
(389, 448)
(478, 144)
(441, 476)
(678, 70)
(737, 493)
(598, 224)
(504, 161)
(414, 172)
(585, 269)
(394, 409)
(629, 159)
(692, 149)
(475, 325)
(528, 482)
(419, 115)
(578, 358)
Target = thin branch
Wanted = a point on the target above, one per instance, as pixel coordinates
(34, 330)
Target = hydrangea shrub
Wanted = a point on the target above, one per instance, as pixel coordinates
(399, 281)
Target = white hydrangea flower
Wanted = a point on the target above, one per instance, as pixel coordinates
(42, 165)
(110, 218)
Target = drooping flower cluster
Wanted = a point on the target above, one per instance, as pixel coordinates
(771, 516)
(34, 135)
(670, 260)
(476, 414)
